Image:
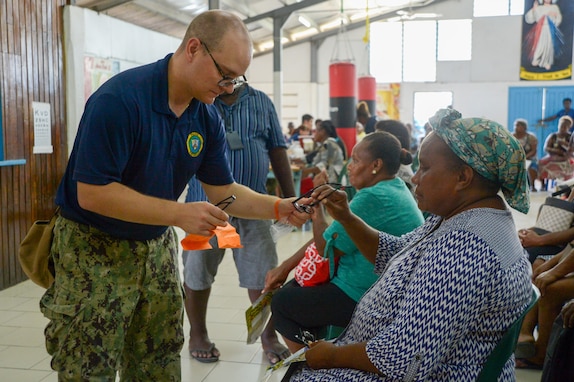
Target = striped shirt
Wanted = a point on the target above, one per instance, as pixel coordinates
(254, 118)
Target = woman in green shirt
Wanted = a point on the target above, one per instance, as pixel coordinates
(385, 203)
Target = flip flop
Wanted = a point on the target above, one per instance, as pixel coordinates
(213, 358)
(525, 350)
(523, 363)
(273, 357)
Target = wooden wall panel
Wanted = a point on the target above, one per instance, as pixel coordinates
(31, 69)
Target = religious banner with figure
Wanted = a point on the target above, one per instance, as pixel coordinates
(547, 40)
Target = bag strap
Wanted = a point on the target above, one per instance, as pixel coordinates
(57, 212)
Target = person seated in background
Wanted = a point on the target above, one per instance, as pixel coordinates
(327, 156)
(558, 163)
(541, 244)
(450, 289)
(427, 128)
(555, 279)
(384, 202)
(318, 122)
(360, 131)
(305, 128)
(290, 131)
(399, 130)
(365, 118)
(414, 140)
(529, 143)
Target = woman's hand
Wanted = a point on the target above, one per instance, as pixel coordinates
(544, 280)
(529, 238)
(320, 354)
(275, 278)
(335, 202)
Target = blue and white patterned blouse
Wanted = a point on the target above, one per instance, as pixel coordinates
(441, 304)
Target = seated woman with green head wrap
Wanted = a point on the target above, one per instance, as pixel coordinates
(450, 289)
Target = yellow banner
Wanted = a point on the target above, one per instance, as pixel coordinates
(546, 76)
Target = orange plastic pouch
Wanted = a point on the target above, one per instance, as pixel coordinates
(227, 237)
(195, 242)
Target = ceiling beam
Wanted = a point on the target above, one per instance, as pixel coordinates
(165, 10)
(265, 24)
(104, 5)
(283, 11)
(357, 24)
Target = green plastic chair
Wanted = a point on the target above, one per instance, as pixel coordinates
(330, 332)
(497, 359)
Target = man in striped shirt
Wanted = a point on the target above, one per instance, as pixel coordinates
(254, 140)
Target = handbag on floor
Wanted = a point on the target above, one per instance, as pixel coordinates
(34, 252)
(558, 366)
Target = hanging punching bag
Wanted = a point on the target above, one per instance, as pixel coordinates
(343, 100)
(368, 92)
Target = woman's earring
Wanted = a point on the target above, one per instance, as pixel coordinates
(374, 172)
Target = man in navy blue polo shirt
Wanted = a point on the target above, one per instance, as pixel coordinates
(116, 303)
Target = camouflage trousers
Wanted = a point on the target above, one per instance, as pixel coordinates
(116, 306)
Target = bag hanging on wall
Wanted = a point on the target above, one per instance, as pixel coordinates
(34, 252)
(313, 269)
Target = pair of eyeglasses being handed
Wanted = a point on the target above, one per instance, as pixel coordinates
(316, 195)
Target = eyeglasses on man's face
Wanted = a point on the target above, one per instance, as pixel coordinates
(225, 81)
(307, 208)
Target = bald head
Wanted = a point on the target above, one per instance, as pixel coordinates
(211, 27)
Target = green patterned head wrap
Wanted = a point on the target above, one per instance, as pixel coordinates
(489, 149)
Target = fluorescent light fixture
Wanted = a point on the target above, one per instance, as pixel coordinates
(305, 21)
(358, 16)
(191, 7)
(303, 34)
(363, 15)
(269, 44)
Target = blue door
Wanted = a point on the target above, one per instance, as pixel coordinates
(534, 103)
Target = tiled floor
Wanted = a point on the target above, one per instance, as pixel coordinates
(23, 357)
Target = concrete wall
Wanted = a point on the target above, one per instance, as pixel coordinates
(479, 86)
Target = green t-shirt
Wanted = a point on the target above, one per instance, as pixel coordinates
(387, 206)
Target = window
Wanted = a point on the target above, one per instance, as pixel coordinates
(386, 58)
(419, 51)
(408, 51)
(483, 8)
(453, 40)
(425, 106)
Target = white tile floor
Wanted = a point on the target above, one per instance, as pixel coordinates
(23, 357)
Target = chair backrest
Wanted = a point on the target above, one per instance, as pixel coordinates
(330, 332)
(501, 353)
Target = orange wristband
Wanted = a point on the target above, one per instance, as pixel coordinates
(277, 217)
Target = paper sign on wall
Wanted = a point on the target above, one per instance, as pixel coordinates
(42, 128)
